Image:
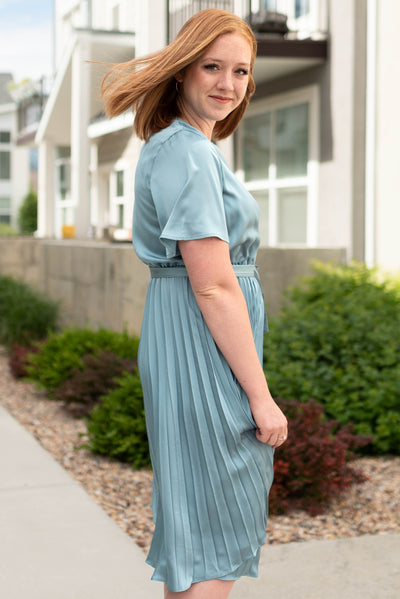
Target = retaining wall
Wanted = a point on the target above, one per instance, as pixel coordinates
(104, 284)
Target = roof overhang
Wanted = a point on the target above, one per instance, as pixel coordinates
(105, 47)
(279, 57)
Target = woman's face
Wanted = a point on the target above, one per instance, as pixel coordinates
(215, 84)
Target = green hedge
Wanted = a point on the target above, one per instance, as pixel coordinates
(64, 352)
(117, 427)
(337, 340)
(26, 315)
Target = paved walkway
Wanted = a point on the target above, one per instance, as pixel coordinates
(56, 543)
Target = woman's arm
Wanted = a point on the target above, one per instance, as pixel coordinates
(221, 301)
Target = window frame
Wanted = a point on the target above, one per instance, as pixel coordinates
(119, 203)
(309, 95)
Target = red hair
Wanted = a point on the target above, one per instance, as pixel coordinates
(147, 85)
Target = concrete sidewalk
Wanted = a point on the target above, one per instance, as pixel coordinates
(57, 543)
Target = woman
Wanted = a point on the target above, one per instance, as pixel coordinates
(212, 423)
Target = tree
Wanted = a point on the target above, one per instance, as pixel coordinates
(27, 217)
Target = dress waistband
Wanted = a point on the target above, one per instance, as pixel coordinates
(241, 270)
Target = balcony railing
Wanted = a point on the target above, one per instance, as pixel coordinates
(305, 18)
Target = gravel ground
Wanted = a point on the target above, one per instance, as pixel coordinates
(372, 507)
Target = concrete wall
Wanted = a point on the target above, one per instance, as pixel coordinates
(104, 285)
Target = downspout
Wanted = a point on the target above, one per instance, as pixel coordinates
(370, 137)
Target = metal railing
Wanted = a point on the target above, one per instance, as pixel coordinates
(179, 11)
(303, 16)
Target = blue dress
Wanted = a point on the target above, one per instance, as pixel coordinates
(211, 475)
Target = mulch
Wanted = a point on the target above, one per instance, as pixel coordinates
(372, 507)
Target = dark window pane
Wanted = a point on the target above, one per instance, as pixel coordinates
(5, 137)
(5, 166)
(120, 184)
(256, 143)
(292, 141)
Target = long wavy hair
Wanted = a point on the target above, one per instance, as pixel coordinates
(147, 85)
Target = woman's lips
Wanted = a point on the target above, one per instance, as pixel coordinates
(221, 99)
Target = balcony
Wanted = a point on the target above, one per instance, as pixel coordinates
(304, 18)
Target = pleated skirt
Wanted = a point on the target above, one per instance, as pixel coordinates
(211, 475)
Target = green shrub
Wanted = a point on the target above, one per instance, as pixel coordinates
(27, 216)
(26, 315)
(7, 230)
(63, 352)
(312, 467)
(97, 377)
(337, 339)
(116, 426)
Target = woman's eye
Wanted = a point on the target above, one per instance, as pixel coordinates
(243, 71)
(211, 67)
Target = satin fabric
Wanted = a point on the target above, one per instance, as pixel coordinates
(211, 475)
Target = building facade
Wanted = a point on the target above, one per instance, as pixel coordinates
(14, 159)
(317, 147)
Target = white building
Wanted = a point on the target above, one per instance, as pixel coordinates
(14, 160)
(317, 148)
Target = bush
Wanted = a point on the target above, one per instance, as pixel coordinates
(63, 352)
(337, 339)
(97, 377)
(116, 426)
(25, 315)
(27, 216)
(18, 359)
(7, 230)
(311, 468)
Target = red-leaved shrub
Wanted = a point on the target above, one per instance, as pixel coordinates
(18, 359)
(312, 467)
(97, 377)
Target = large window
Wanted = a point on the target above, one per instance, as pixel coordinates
(277, 161)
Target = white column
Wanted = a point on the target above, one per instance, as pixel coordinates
(151, 33)
(80, 97)
(370, 137)
(94, 185)
(46, 192)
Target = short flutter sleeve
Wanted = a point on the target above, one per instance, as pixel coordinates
(187, 190)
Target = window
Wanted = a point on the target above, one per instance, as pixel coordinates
(5, 165)
(118, 195)
(64, 180)
(5, 210)
(120, 184)
(276, 159)
(302, 7)
(33, 158)
(5, 137)
(120, 189)
(63, 170)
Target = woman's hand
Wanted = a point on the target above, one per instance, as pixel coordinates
(272, 427)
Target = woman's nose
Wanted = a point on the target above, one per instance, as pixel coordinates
(225, 81)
